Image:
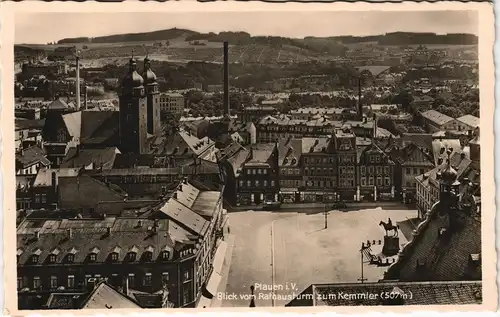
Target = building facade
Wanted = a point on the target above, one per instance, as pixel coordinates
(172, 103)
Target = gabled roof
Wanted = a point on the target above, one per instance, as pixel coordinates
(30, 156)
(85, 157)
(436, 117)
(441, 146)
(290, 151)
(73, 122)
(58, 104)
(470, 120)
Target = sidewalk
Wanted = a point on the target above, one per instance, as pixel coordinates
(350, 205)
(224, 272)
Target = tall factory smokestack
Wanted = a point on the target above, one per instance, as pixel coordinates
(360, 105)
(226, 79)
(78, 104)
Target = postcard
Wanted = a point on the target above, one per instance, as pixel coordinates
(228, 157)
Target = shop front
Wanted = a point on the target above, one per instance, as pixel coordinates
(290, 195)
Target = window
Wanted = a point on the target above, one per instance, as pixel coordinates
(87, 278)
(71, 281)
(19, 283)
(387, 181)
(259, 171)
(257, 183)
(93, 257)
(52, 258)
(71, 258)
(34, 259)
(370, 180)
(372, 159)
(379, 170)
(363, 169)
(147, 279)
(408, 170)
(132, 256)
(265, 183)
(377, 158)
(114, 256)
(37, 198)
(148, 256)
(37, 282)
(44, 198)
(241, 183)
(272, 183)
(186, 276)
(386, 170)
(131, 280)
(249, 183)
(164, 277)
(53, 282)
(379, 181)
(415, 171)
(165, 255)
(363, 181)
(370, 169)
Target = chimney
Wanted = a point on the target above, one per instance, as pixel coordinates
(37, 235)
(70, 233)
(78, 104)
(108, 231)
(360, 105)
(226, 78)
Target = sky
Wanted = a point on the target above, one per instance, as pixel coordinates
(41, 28)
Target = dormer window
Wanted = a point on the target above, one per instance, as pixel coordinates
(36, 256)
(71, 255)
(132, 253)
(115, 253)
(165, 255)
(93, 254)
(53, 255)
(148, 253)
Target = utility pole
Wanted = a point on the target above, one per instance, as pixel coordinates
(326, 216)
(362, 279)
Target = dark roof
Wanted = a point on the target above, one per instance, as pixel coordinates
(58, 104)
(29, 124)
(260, 153)
(90, 236)
(290, 151)
(422, 293)
(99, 126)
(84, 157)
(32, 155)
(446, 257)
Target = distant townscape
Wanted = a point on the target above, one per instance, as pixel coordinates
(180, 169)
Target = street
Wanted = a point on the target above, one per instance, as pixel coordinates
(301, 251)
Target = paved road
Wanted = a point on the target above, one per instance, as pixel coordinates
(304, 252)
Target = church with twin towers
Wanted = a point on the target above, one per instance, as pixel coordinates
(139, 109)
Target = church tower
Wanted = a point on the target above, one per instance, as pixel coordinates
(153, 102)
(133, 113)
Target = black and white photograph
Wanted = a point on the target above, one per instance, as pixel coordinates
(251, 159)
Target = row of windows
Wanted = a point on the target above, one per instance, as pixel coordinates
(319, 171)
(347, 170)
(41, 198)
(319, 160)
(290, 171)
(379, 181)
(371, 169)
(72, 281)
(258, 171)
(92, 257)
(256, 183)
(292, 128)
